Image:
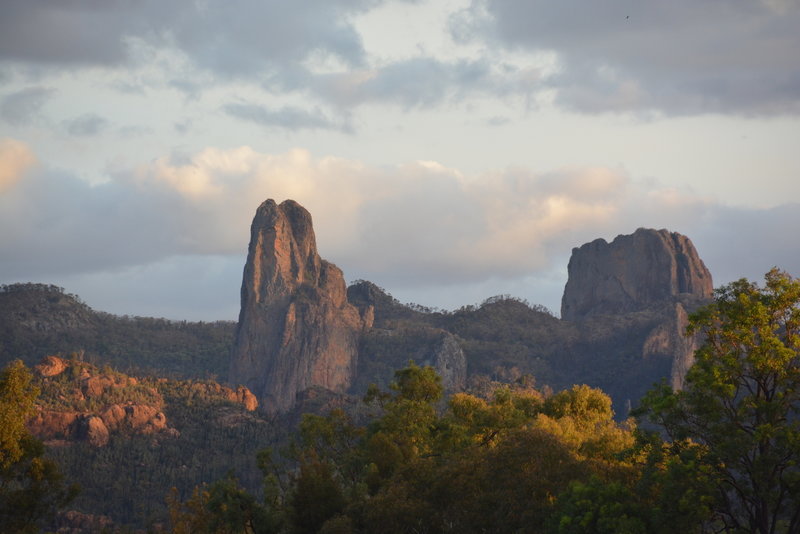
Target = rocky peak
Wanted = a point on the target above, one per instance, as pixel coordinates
(283, 249)
(296, 329)
(633, 273)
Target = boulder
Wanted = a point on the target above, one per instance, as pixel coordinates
(49, 424)
(113, 416)
(246, 399)
(95, 386)
(51, 366)
(96, 432)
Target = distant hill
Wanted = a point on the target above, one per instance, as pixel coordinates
(37, 320)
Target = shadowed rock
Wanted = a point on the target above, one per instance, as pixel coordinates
(296, 329)
(633, 273)
(638, 275)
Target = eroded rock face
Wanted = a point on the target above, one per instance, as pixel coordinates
(241, 394)
(451, 364)
(633, 273)
(296, 329)
(645, 285)
(670, 339)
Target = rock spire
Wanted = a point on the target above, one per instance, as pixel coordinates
(296, 329)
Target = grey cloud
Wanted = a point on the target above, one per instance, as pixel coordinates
(496, 121)
(680, 57)
(291, 118)
(86, 125)
(741, 242)
(250, 39)
(414, 83)
(163, 289)
(128, 87)
(262, 41)
(22, 106)
(254, 36)
(86, 32)
(184, 126)
(55, 215)
(134, 131)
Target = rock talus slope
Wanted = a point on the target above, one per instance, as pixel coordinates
(296, 329)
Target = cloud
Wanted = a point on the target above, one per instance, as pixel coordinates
(680, 57)
(289, 117)
(741, 242)
(15, 159)
(86, 125)
(312, 49)
(417, 82)
(424, 82)
(246, 40)
(418, 225)
(68, 32)
(24, 105)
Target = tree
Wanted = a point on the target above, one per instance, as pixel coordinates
(31, 486)
(741, 404)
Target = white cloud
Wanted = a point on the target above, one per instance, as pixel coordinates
(418, 225)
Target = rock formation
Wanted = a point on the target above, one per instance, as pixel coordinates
(240, 395)
(651, 275)
(633, 273)
(79, 402)
(450, 363)
(296, 329)
(669, 339)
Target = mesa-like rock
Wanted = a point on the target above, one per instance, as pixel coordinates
(632, 273)
(296, 328)
(645, 283)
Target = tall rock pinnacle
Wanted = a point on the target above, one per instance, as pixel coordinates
(296, 329)
(632, 273)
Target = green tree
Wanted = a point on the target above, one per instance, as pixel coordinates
(741, 404)
(666, 491)
(317, 497)
(31, 486)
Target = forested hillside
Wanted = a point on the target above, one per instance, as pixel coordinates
(724, 456)
(505, 339)
(128, 440)
(37, 320)
(192, 456)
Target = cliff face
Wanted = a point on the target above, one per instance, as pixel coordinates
(652, 271)
(632, 273)
(296, 329)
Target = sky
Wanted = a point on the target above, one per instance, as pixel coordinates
(448, 150)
